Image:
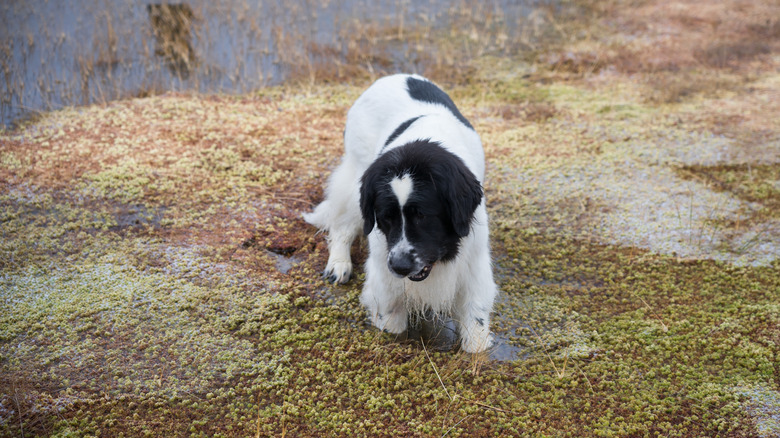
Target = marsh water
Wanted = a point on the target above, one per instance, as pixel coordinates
(55, 54)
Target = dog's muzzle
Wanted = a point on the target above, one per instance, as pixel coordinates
(408, 265)
(423, 274)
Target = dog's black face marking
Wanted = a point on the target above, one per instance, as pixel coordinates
(437, 214)
(400, 130)
(428, 92)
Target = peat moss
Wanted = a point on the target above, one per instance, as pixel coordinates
(141, 291)
(140, 330)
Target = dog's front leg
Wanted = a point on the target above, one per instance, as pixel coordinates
(472, 312)
(339, 268)
(339, 215)
(383, 294)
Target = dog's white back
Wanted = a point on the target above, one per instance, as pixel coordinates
(384, 106)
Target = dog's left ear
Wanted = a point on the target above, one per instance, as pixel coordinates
(462, 193)
(367, 194)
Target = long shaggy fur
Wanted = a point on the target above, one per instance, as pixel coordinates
(411, 180)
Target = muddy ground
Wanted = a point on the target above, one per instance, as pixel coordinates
(156, 277)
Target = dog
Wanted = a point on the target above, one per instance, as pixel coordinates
(411, 180)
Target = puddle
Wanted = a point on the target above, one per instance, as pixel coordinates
(284, 262)
(283, 253)
(503, 350)
(73, 53)
(436, 333)
(763, 405)
(527, 320)
(442, 335)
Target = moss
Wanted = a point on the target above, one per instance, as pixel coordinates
(141, 289)
(753, 183)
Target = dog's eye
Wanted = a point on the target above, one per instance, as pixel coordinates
(419, 217)
(384, 222)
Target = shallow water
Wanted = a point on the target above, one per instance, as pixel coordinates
(58, 54)
(283, 262)
(441, 334)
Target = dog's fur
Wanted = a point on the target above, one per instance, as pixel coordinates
(411, 179)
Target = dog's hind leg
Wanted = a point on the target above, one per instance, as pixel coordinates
(339, 215)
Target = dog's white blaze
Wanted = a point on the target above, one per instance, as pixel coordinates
(402, 188)
(403, 245)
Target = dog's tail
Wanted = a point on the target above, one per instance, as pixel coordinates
(319, 217)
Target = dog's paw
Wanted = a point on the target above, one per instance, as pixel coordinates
(395, 322)
(338, 271)
(476, 342)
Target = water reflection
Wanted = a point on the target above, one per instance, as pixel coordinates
(54, 54)
(171, 27)
(437, 333)
(441, 334)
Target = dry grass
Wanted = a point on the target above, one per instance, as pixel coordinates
(688, 33)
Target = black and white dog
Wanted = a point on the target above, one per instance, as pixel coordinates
(411, 179)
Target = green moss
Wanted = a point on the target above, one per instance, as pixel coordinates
(754, 183)
(141, 291)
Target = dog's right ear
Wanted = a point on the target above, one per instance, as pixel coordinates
(367, 196)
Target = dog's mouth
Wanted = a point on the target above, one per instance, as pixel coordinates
(422, 275)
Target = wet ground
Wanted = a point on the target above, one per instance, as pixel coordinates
(156, 276)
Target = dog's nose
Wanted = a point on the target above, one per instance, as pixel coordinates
(401, 264)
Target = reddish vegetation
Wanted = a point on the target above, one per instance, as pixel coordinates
(738, 34)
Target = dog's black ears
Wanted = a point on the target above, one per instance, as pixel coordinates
(462, 194)
(367, 194)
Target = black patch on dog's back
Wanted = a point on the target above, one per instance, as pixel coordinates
(426, 91)
(400, 130)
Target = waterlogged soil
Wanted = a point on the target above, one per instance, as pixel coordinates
(156, 277)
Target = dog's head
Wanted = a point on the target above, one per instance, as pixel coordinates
(422, 198)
